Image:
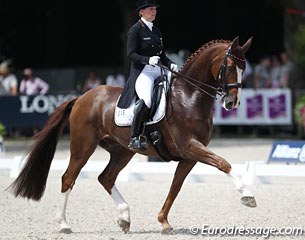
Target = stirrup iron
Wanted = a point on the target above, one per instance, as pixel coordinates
(138, 143)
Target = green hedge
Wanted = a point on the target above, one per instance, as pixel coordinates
(299, 117)
(2, 129)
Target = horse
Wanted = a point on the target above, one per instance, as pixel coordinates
(215, 68)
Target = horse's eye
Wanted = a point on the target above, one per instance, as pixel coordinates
(231, 69)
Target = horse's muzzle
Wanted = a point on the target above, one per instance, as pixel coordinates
(230, 102)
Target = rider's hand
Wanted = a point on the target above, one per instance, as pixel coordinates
(154, 60)
(174, 67)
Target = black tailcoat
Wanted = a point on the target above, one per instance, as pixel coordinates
(142, 43)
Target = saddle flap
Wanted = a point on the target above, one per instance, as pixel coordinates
(157, 95)
(124, 116)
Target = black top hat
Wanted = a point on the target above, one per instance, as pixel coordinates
(145, 3)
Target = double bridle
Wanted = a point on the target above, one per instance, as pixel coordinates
(223, 87)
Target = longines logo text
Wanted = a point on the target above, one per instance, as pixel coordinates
(42, 103)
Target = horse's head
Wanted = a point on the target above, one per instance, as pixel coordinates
(230, 72)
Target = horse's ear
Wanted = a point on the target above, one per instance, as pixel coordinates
(235, 43)
(247, 45)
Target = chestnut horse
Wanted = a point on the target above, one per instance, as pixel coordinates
(186, 129)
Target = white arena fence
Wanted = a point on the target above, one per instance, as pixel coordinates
(254, 172)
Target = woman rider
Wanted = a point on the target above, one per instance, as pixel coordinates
(145, 50)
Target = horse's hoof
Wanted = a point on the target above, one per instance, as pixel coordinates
(124, 225)
(167, 231)
(248, 201)
(65, 230)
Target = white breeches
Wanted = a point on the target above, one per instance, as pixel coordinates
(145, 83)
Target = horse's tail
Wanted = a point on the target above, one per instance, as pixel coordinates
(32, 179)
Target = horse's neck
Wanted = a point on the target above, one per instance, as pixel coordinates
(190, 95)
(200, 66)
(199, 69)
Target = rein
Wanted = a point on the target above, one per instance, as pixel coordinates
(222, 89)
(188, 79)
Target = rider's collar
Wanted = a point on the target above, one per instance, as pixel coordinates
(148, 24)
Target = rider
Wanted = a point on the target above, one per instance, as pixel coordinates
(145, 49)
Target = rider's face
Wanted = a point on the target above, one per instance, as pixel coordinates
(149, 13)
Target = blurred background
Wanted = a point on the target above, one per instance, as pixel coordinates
(69, 47)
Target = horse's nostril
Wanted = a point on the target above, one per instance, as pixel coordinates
(229, 104)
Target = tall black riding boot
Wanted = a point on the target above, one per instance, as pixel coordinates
(139, 119)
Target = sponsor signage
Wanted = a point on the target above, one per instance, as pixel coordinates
(257, 107)
(29, 111)
(288, 152)
(254, 106)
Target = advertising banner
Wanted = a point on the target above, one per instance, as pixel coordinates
(29, 111)
(288, 152)
(257, 107)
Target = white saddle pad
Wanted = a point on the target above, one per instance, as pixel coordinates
(124, 116)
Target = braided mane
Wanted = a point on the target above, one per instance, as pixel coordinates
(203, 47)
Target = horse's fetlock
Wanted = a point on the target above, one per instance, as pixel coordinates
(161, 217)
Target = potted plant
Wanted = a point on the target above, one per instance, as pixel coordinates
(2, 133)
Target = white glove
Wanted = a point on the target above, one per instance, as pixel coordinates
(174, 67)
(154, 60)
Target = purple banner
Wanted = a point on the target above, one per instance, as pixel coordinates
(258, 107)
(255, 106)
(277, 106)
(228, 114)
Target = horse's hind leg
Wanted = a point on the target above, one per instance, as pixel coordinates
(202, 154)
(61, 217)
(119, 158)
(82, 145)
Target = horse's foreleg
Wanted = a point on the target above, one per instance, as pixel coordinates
(183, 169)
(202, 154)
(61, 217)
(119, 158)
(247, 198)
